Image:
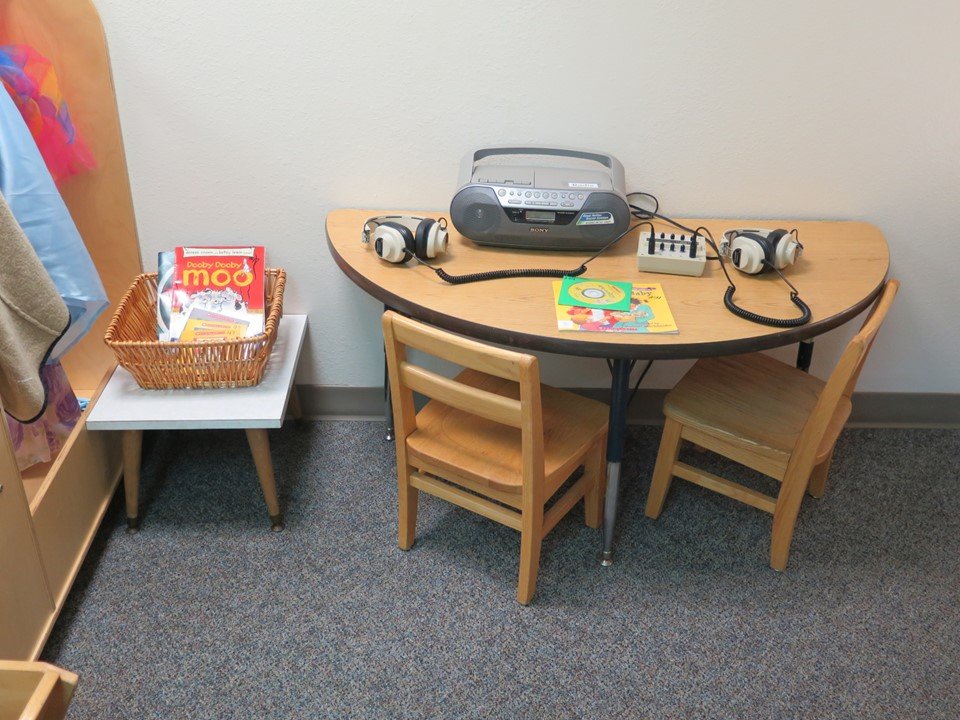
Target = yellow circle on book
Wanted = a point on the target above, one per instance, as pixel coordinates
(593, 292)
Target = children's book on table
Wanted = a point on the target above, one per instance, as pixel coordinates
(648, 313)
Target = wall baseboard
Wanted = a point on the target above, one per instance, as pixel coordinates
(870, 409)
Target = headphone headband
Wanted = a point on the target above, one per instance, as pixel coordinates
(411, 222)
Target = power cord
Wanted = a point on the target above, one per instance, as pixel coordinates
(528, 272)
(643, 374)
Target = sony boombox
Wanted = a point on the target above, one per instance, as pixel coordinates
(540, 198)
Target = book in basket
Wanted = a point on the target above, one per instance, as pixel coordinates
(218, 293)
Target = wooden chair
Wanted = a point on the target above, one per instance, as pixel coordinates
(34, 690)
(768, 416)
(492, 440)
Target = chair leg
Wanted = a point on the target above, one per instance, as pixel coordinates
(407, 497)
(531, 538)
(663, 471)
(595, 468)
(785, 519)
(818, 478)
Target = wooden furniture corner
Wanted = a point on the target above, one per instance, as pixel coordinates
(50, 513)
(34, 690)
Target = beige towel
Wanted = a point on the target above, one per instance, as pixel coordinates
(32, 319)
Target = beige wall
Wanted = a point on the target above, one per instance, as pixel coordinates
(248, 121)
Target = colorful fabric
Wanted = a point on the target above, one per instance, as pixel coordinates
(41, 440)
(32, 83)
(38, 207)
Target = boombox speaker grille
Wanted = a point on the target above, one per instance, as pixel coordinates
(476, 211)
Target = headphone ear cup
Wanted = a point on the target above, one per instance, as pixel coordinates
(437, 240)
(421, 245)
(748, 251)
(784, 248)
(393, 242)
(431, 239)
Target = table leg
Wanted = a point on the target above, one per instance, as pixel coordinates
(131, 446)
(616, 435)
(804, 355)
(260, 448)
(388, 403)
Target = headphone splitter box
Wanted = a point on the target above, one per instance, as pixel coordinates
(672, 253)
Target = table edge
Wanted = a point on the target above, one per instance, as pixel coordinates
(598, 348)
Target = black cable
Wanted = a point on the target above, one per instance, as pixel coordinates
(805, 314)
(527, 272)
(639, 380)
(643, 374)
(499, 274)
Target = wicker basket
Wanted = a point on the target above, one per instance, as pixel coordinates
(157, 365)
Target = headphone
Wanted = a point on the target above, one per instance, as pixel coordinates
(756, 251)
(400, 238)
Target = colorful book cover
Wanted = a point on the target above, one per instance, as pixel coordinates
(593, 293)
(206, 325)
(648, 313)
(227, 281)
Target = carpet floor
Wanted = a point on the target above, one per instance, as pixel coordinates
(208, 614)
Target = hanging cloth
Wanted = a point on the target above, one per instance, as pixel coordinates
(37, 206)
(32, 83)
(32, 319)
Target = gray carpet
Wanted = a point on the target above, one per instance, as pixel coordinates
(207, 614)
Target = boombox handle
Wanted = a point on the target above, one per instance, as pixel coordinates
(608, 161)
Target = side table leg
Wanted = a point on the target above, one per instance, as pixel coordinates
(293, 407)
(616, 435)
(131, 446)
(260, 448)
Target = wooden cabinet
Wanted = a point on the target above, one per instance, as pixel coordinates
(25, 601)
(50, 513)
(34, 691)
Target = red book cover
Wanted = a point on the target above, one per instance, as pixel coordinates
(224, 280)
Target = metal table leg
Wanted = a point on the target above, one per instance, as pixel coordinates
(804, 355)
(616, 435)
(388, 405)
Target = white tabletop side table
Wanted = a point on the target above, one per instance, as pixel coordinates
(125, 406)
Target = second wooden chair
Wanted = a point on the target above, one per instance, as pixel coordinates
(768, 416)
(492, 440)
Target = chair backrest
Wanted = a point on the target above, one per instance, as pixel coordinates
(406, 378)
(844, 378)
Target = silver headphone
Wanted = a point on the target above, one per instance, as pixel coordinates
(756, 251)
(400, 238)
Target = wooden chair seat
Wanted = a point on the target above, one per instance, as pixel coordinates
(489, 453)
(769, 416)
(755, 402)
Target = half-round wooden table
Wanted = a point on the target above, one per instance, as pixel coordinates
(842, 270)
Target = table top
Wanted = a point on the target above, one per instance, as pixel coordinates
(842, 270)
(124, 405)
